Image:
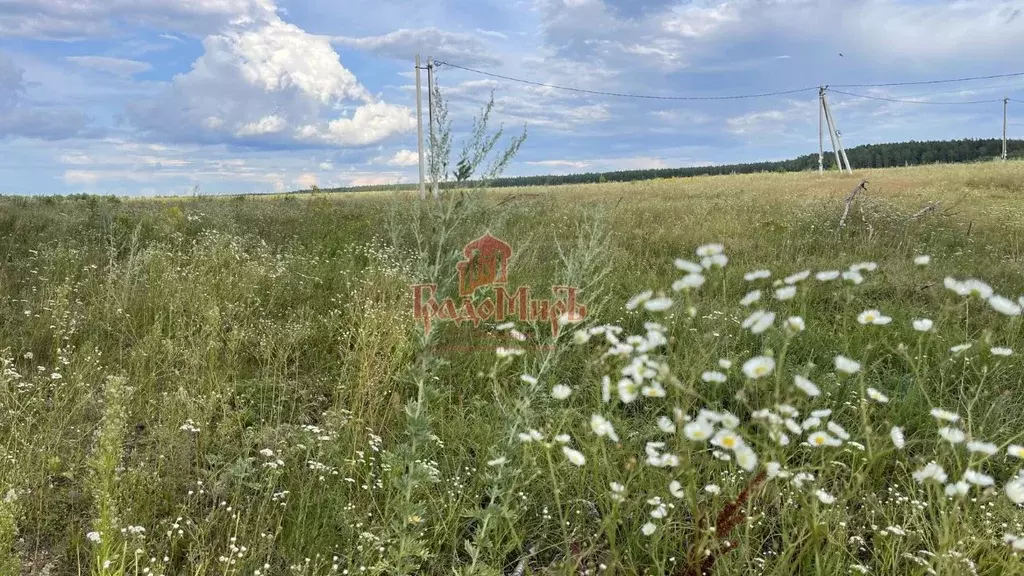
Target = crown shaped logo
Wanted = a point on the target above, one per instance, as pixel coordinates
(485, 263)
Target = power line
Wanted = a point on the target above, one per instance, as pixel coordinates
(623, 95)
(1017, 101)
(912, 101)
(968, 79)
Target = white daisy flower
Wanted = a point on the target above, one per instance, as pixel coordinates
(785, 293)
(676, 489)
(575, 457)
(666, 425)
(960, 348)
(999, 351)
(560, 392)
(827, 275)
(862, 266)
(606, 389)
(825, 497)
(757, 275)
(853, 276)
(688, 267)
(628, 390)
(690, 281)
(980, 447)
(758, 321)
(528, 379)
(941, 414)
(648, 529)
(727, 439)
(923, 325)
(658, 304)
(653, 390)
(812, 422)
(1004, 305)
(978, 478)
(774, 470)
(602, 427)
(751, 297)
(922, 260)
(798, 277)
(724, 363)
(758, 367)
(952, 435)
(713, 489)
(698, 430)
(824, 413)
(746, 458)
(930, 471)
(713, 377)
(806, 386)
(660, 511)
(846, 365)
(873, 317)
(957, 489)
(1015, 450)
(639, 299)
(877, 396)
(1015, 490)
(898, 440)
(818, 439)
(719, 260)
(838, 430)
(794, 324)
(497, 461)
(709, 250)
(563, 438)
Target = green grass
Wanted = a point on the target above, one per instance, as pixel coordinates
(238, 386)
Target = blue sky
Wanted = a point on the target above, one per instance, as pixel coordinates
(137, 97)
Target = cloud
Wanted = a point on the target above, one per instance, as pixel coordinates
(306, 180)
(19, 116)
(117, 66)
(559, 163)
(404, 158)
(270, 83)
(459, 47)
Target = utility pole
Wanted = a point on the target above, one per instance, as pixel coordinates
(430, 116)
(419, 127)
(1005, 101)
(821, 134)
(837, 141)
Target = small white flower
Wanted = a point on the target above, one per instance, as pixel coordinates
(774, 470)
(639, 299)
(709, 250)
(785, 293)
(93, 537)
(978, 478)
(922, 260)
(824, 413)
(724, 363)
(713, 377)
(712, 489)
(658, 304)
(869, 266)
(1015, 450)
(846, 365)
(800, 478)
(660, 511)
(751, 297)
(960, 348)
(727, 439)
(798, 277)
(825, 497)
(715, 260)
(688, 267)
(690, 281)
(877, 396)
(794, 324)
(758, 367)
(530, 436)
(897, 437)
(676, 489)
(759, 321)
(575, 457)
(606, 389)
(757, 275)
(628, 390)
(497, 461)
(746, 458)
(930, 471)
(827, 275)
(838, 430)
(653, 390)
(999, 351)
(820, 438)
(873, 317)
(1004, 305)
(923, 325)
(1015, 490)
(648, 529)
(602, 427)
(528, 379)
(853, 276)
(560, 392)
(812, 422)
(666, 425)
(806, 386)
(980, 447)
(941, 414)
(952, 435)
(957, 489)
(698, 430)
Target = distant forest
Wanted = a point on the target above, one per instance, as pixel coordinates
(910, 153)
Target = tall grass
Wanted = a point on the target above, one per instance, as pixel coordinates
(217, 386)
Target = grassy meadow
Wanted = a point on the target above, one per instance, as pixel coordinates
(238, 386)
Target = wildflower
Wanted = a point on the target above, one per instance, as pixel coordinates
(793, 426)
(698, 430)
(877, 396)
(978, 288)
(758, 367)
(825, 497)
(978, 478)
(757, 275)
(873, 317)
(986, 448)
(774, 470)
(806, 386)
(999, 351)
(922, 260)
(1004, 305)
(676, 489)
(794, 324)
(751, 297)
(666, 425)
(798, 277)
(530, 436)
(853, 276)
(837, 430)
(689, 281)
(713, 489)
(729, 420)
(960, 348)
(648, 529)
(825, 413)
(502, 352)
(846, 365)
(724, 363)
(869, 266)
(812, 422)
(719, 260)
(859, 568)
(779, 437)
(602, 427)
(497, 461)
(822, 439)
(639, 299)
(957, 489)
(746, 458)
(802, 477)
(713, 377)
(575, 457)
(952, 435)
(785, 293)
(827, 275)
(687, 266)
(709, 250)
(1015, 450)
(660, 511)
(560, 392)
(654, 390)
(930, 471)
(759, 321)
(628, 390)
(658, 304)
(940, 414)
(727, 439)
(528, 379)
(896, 434)
(93, 537)
(606, 389)
(1015, 490)
(923, 325)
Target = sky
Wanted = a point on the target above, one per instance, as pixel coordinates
(147, 97)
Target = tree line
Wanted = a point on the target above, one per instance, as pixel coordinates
(910, 153)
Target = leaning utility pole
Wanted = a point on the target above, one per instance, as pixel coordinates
(430, 116)
(833, 133)
(1005, 101)
(821, 134)
(419, 127)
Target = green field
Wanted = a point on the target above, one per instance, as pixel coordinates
(220, 386)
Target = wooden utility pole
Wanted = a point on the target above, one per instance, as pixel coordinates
(837, 141)
(430, 116)
(821, 134)
(419, 127)
(1005, 102)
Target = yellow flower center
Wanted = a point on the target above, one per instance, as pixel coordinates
(819, 440)
(728, 442)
